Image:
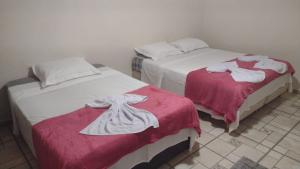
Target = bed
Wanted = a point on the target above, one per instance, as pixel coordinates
(32, 105)
(170, 73)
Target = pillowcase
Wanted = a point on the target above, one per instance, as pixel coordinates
(189, 44)
(158, 50)
(59, 71)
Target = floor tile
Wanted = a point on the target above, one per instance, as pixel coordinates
(296, 130)
(199, 166)
(217, 166)
(287, 109)
(268, 162)
(287, 163)
(205, 138)
(206, 126)
(253, 123)
(254, 134)
(226, 163)
(280, 149)
(275, 129)
(237, 140)
(297, 113)
(248, 152)
(290, 96)
(283, 122)
(296, 103)
(281, 113)
(220, 147)
(233, 158)
(275, 155)
(295, 117)
(208, 158)
(217, 131)
(268, 143)
(291, 143)
(266, 118)
(293, 155)
(187, 163)
(274, 137)
(262, 148)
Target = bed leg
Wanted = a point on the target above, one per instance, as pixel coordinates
(226, 128)
(290, 87)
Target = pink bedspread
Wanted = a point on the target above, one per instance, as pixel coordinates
(220, 93)
(59, 145)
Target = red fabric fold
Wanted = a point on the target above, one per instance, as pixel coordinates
(59, 145)
(220, 93)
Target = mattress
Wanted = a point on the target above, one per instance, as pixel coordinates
(170, 73)
(30, 105)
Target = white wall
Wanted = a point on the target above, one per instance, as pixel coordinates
(105, 31)
(270, 27)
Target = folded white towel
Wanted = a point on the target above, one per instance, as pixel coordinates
(222, 67)
(252, 58)
(120, 118)
(274, 65)
(264, 62)
(246, 75)
(239, 74)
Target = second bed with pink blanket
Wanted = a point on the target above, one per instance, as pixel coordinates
(220, 93)
(172, 72)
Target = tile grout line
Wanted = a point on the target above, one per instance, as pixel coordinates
(283, 137)
(277, 161)
(259, 143)
(283, 155)
(265, 154)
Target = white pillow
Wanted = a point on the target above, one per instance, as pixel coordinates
(55, 72)
(158, 50)
(189, 44)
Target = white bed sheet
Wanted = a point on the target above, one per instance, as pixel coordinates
(30, 104)
(170, 73)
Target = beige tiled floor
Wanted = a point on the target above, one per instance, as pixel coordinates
(271, 137)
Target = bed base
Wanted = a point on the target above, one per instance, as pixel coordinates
(245, 114)
(165, 156)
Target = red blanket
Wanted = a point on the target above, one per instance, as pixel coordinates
(59, 145)
(220, 93)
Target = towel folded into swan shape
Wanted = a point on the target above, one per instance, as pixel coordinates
(264, 62)
(238, 74)
(120, 118)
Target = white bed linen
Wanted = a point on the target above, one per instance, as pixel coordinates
(238, 74)
(30, 104)
(170, 73)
